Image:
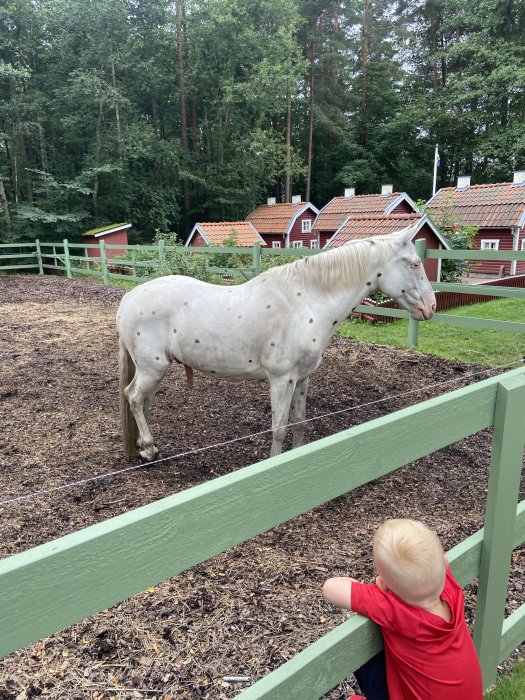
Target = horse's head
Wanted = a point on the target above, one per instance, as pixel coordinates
(404, 279)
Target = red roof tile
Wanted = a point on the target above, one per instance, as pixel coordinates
(497, 206)
(275, 218)
(365, 226)
(335, 212)
(217, 233)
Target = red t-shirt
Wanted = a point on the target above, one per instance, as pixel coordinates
(426, 657)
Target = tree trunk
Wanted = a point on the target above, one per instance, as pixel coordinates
(364, 73)
(4, 205)
(182, 93)
(311, 52)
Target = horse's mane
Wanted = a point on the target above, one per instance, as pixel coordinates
(339, 267)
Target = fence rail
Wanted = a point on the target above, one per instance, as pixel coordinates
(61, 582)
(59, 256)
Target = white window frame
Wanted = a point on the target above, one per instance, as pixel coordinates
(276, 244)
(314, 243)
(306, 226)
(523, 244)
(490, 244)
(297, 244)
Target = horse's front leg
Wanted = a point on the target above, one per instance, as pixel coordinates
(281, 389)
(298, 412)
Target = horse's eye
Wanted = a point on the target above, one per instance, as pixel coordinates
(415, 266)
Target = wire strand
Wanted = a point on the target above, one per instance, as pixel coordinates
(142, 465)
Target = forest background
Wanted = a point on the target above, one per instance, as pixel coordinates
(167, 113)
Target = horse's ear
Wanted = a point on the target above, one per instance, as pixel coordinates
(406, 235)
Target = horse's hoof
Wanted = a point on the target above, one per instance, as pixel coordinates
(149, 453)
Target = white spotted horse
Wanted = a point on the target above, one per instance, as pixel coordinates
(276, 326)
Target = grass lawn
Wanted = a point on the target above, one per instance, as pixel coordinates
(511, 687)
(474, 345)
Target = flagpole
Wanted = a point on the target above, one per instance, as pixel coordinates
(436, 156)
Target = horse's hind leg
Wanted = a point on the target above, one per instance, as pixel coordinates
(298, 412)
(139, 394)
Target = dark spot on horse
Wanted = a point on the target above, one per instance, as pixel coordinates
(313, 340)
(142, 313)
(379, 274)
(290, 381)
(372, 242)
(272, 344)
(138, 332)
(185, 303)
(421, 277)
(311, 320)
(157, 357)
(334, 323)
(268, 306)
(402, 291)
(174, 330)
(368, 284)
(197, 340)
(298, 294)
(302, 393)
(250, 360)
(239, 316)
(404, 244)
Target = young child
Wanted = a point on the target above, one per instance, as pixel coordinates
(420, 608)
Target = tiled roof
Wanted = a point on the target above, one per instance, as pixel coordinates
(275, 218)
(217, 233)
(365, 226)
(335, 212)
(501, 205)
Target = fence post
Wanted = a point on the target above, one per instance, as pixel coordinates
(104, 262)
(500, 514)
(39, 257)
(162, 254)
(413, 325)
(67, 261)
(256, 258)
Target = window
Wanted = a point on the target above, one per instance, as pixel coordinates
(314, 244)
(523, 244)
(276, 244)
(297, 244)
(306, 225)
(490, 244)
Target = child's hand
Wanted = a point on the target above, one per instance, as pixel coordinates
(338, 590)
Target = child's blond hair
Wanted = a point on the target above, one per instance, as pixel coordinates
(409, 558)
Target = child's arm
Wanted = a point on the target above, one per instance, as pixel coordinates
(338, 590)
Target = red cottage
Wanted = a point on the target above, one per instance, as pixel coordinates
(212, 234)
(339, 209)
(365, 225)
(116, 234)
(497, 210)
(286, 225)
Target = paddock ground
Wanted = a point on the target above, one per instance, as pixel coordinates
(251, 609)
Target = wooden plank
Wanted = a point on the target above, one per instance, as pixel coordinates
(19, 267)
(513, 632)
(474, 322)
(500, 515)
(481, 290)
(443, 254)
(382, 311)
(61, 582)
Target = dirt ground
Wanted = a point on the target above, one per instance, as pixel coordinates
(248, 610)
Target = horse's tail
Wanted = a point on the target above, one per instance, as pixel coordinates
(128, 423)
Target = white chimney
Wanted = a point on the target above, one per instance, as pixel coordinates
(296, 199)
(387, 189)
(271, 201)
(519, 177)
(349, 192)
(463, 182)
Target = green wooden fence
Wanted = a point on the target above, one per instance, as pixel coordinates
(61, 582)
(60, 256)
